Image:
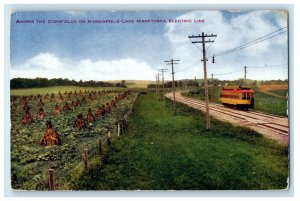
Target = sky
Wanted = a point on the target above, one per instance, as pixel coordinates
(135, 51)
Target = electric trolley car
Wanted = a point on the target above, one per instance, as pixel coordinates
(237, 97)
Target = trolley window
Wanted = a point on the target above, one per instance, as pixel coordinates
(244, 97)
(248, 96)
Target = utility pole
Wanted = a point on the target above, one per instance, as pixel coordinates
(195, 82)
(158, 90)
(163, 82)
(171, 62)
(212, 86)
(156, 83)
(203, 37)
(245, 74)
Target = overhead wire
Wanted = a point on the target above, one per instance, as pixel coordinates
(266, 66)
(220, 74)
(250, 43)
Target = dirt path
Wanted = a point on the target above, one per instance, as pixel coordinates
(271, 126)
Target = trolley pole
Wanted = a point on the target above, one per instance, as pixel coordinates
(203, 41)
(171, 62)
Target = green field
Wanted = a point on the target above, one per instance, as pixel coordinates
(135, 83)
(160, 151)
(30, 161)
(280, 92)
(56, 89)
(263, 102)
(270, 104)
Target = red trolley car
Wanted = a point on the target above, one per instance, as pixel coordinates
(237, 97)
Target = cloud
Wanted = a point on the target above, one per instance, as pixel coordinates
(49, 66)
(76, 13)
(232, 31)
(101, 56)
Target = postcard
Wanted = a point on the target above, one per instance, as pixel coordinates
(149, 100)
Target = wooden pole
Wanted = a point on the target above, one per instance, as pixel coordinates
(51, 179)
(172, 62)
(99, 146)
(118, 134)
(126, 121)
(205, 83)
(156, 84)
(108, 139)
(100, 150)
(173, 88)
(85, 158)
(212, 87)
(203, 41)
(158, 88)
(163, 83)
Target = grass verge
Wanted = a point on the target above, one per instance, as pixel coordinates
(162, 151)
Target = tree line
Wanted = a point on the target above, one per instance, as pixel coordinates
(17, 83)
(217, 82)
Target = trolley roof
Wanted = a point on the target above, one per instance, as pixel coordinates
(237, 89)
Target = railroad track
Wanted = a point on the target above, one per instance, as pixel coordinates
(272, 126)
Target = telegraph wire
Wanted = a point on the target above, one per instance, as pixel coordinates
(258, 40)
(266, 66)
(228, 72)
(242, 47)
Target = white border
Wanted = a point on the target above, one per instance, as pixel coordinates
(293, 82)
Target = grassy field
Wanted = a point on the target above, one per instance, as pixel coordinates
(56, 89)
(30, 161)
(263, 102)
(270, 104)
(280, 92)
(135, 83)
(161, 151)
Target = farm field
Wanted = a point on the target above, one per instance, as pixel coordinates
(135, 83)
(56, 89)
(162, 151)
(263, 102)
(271, 104)
(30, 161)
(279, 92)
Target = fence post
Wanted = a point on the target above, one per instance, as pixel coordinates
(99, 147)
(118, 134)
(85, 159)
(123, 125)
(51, 179)
(105, 158)
(108, 138)
(125, 122)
